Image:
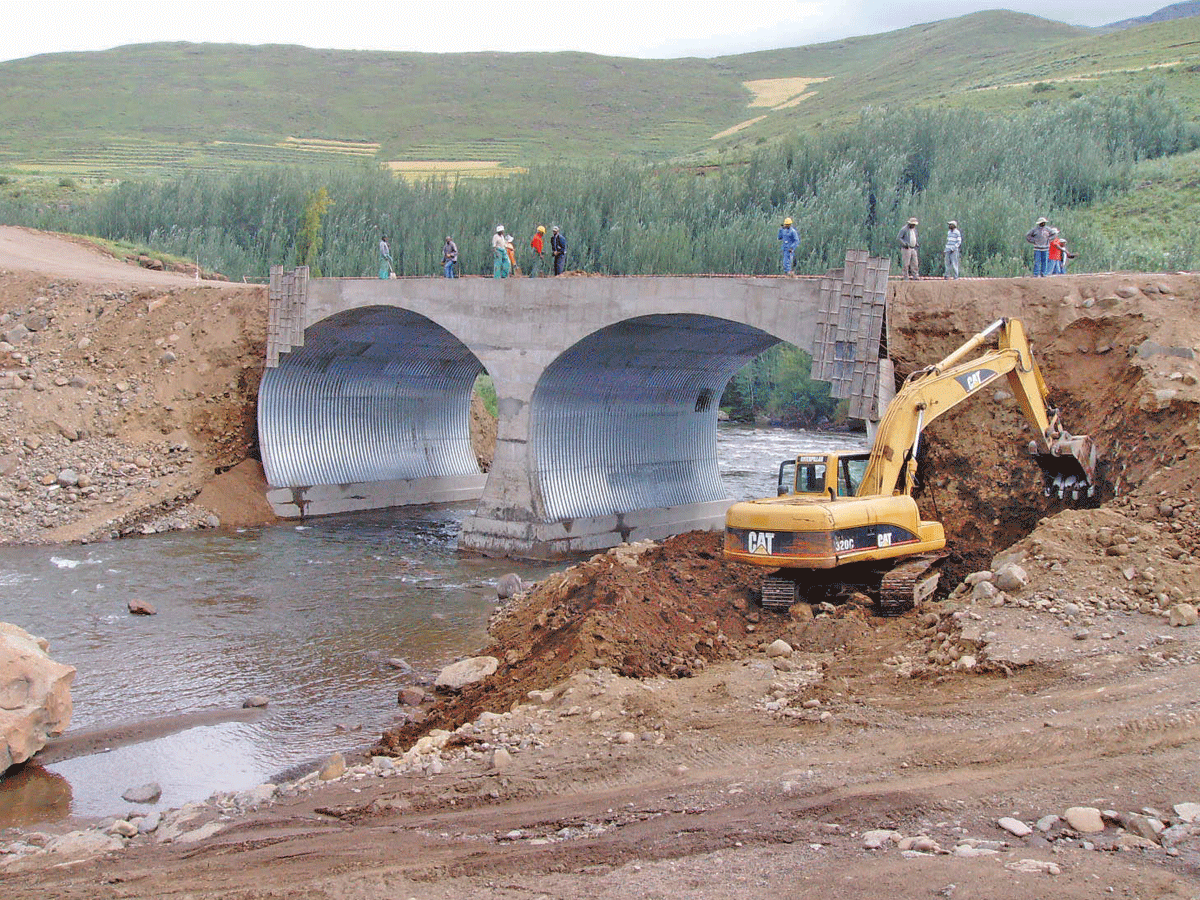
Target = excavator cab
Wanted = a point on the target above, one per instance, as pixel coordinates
(816, 473)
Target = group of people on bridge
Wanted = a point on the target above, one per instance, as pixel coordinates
(1050, 252)
(504, 257)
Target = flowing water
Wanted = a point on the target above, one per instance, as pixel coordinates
(310, 616)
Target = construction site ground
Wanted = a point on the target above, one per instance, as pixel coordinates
(642, 733)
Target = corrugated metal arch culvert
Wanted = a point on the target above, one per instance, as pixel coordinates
(626, 419)
(376, 393)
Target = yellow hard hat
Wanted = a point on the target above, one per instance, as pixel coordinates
(541, 229)
(787, 221)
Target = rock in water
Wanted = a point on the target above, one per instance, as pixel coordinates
(509, 586)
(142, 608)
(466, 671)
(145, 793)
(35, 695)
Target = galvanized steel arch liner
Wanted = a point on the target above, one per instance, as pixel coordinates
(626, 418)
(375, 394)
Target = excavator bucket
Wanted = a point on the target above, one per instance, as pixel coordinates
(1069, 469)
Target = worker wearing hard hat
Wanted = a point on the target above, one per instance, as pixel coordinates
(789, 240)
(537, 246)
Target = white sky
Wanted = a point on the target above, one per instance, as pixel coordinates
(650, 28)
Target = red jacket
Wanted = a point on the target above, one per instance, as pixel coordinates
(1058, 248)
(536, 244)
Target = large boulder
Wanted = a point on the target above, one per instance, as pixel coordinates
(458, 675)
(35, 695)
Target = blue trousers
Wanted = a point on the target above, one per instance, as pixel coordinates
(1041, 263)
(448, 268)
(788, 252)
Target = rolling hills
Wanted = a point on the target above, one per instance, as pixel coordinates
(146, 110)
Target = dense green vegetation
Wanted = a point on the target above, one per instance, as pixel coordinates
(778, 385)
(851, 187)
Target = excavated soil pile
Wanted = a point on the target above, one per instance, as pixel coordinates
(646, 610)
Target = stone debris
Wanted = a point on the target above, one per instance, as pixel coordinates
(466, 671)
(1014, 826)
(779, 648)
(335, 767)
(1084, 819)
(1034, 867)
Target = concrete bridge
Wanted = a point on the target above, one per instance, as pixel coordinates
(607, 393)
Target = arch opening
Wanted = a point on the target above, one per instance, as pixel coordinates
(376, 394)
(626, 419)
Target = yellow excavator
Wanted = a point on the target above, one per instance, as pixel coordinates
(849, 519)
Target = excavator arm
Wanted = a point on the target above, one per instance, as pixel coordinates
(1068, 461)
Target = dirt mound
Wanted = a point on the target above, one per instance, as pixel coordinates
(641, 609)
(646, 610)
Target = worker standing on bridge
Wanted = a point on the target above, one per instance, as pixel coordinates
(789, 240)
(385, 258)
(499, 254)
(449, 256)
(1039, 235)
(910, 264)
(558, 246)
(536, 244)
(953, 249)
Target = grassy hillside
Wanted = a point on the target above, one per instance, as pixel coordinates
(164, 108)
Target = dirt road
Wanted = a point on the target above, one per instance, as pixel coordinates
(42, 253)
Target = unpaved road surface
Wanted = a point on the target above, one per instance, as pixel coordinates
(60, 257)
(636, 737)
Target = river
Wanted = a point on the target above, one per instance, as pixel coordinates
(308, 615)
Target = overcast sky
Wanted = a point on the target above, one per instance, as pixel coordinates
(649, 28)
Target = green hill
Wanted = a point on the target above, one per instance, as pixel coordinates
(164, 108)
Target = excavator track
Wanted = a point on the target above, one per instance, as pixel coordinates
(907, 585)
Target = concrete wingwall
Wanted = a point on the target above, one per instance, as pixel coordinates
(607, 392)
